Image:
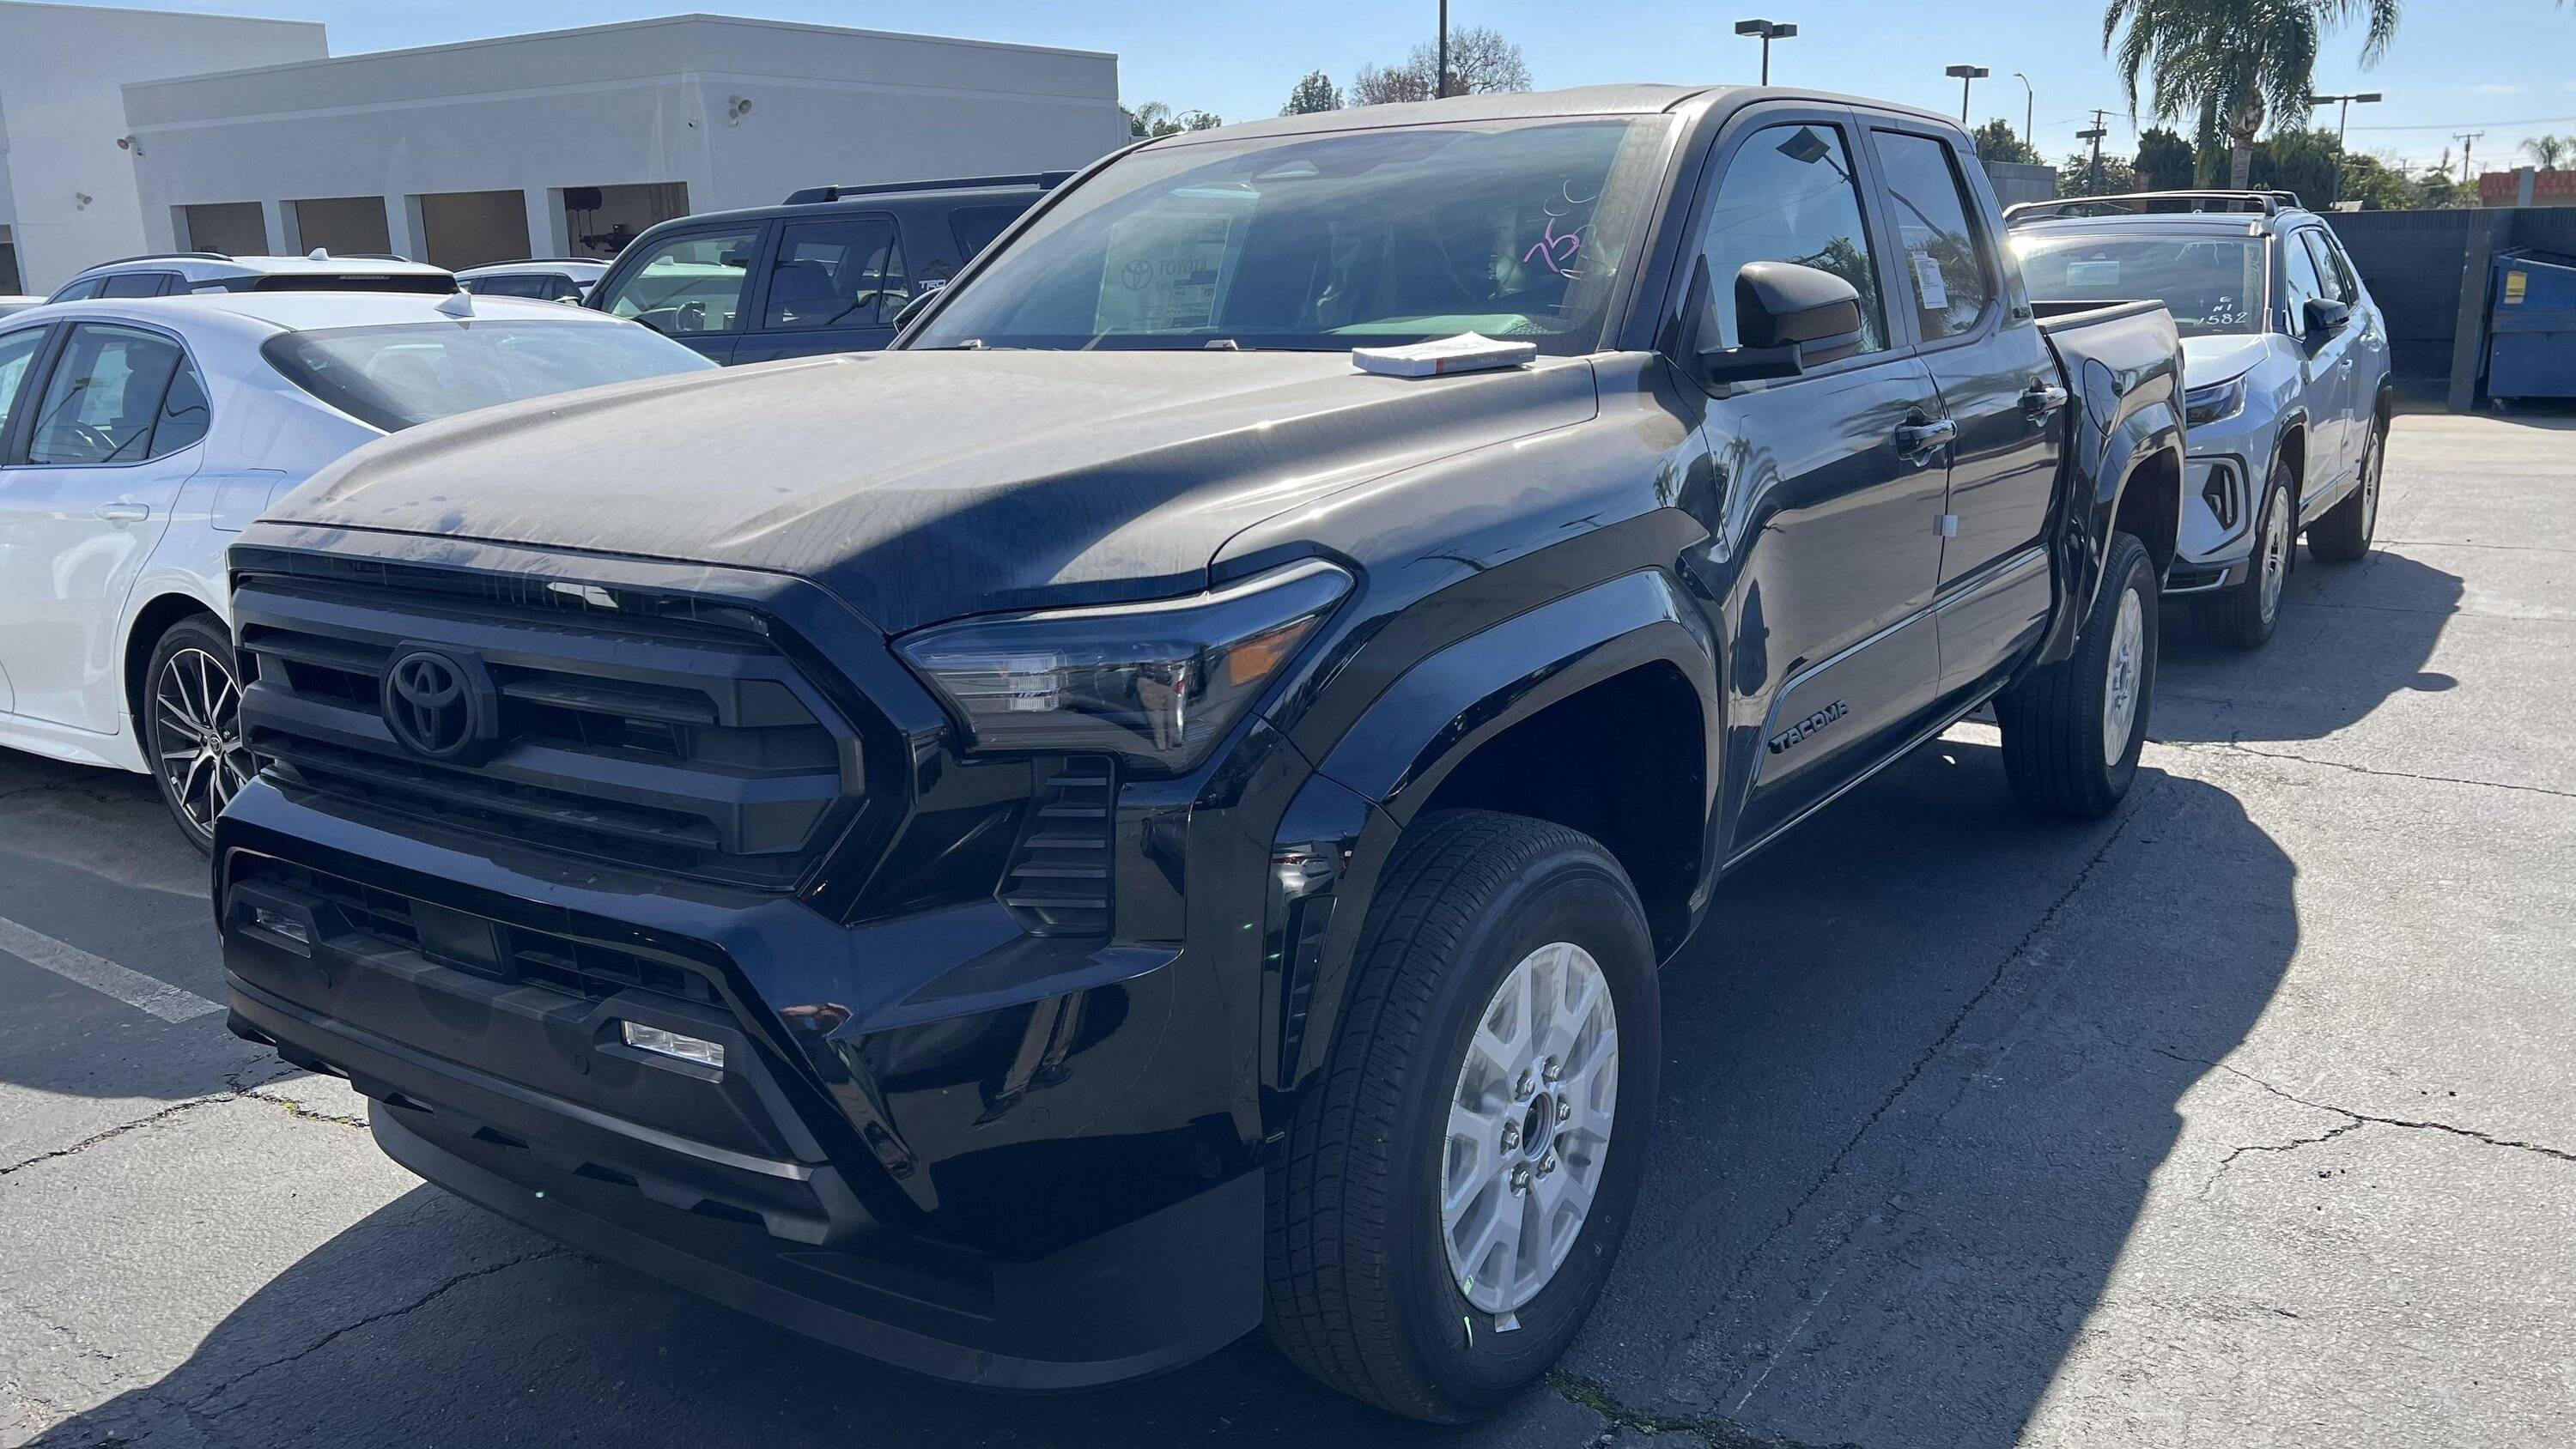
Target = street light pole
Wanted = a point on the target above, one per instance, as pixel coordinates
(1440, 82)
(2029, 112)
(2343, 121)
(1766, 31)
(1968, 75)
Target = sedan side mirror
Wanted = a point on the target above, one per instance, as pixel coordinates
(2325, 316)
(1791, 318)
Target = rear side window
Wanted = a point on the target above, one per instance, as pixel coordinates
(137, 284)
(844, 272)
(400, 376)
(1945, 259)
(687, 285)
(976, 226)
(105, 396)
(1788, 196)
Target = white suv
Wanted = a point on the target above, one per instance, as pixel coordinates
(561, 279)
(170, 274)
(138, 437)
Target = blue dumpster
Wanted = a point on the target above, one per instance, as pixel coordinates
(2531, 329)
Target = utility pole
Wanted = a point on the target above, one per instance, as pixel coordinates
(2468, 145)
(2029, 112)
(1766, 31)
(1440, 82)
(2343, 121)
(2101, 128)
(1968, 75)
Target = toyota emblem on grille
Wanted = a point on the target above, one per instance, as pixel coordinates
(437, 704)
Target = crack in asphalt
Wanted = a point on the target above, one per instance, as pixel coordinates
(1905, 1083)
(1716, 1431)
(235, 1091)
(195, 1407)
(2356, 1120)
(2238, 746)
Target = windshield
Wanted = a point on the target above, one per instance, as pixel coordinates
(1325, 242)
(399, 376)
(2212, 285)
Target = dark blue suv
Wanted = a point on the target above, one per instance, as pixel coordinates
(826, 271)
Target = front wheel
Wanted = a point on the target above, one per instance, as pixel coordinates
(2246, 614)
(2343, 535)
(191, 725)
(2073, 729)
(1455, 1188)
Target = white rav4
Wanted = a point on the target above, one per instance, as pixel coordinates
(138, 436)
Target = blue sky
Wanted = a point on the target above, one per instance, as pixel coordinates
(2507, 67)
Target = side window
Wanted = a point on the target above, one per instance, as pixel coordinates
(104, 396)
(2299, 282)
(690, 284)
(80, 291)
(137, 284)
(1945, 258)
(534, 286)
(1788, 196)
(2331, 274)
(17, 350)
(976, 226)
(844, 272)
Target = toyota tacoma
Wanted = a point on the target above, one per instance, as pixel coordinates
(1155, 806)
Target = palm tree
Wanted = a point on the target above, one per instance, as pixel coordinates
(2548, 151)
(2233, 61)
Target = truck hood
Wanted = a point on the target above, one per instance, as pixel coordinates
(2216, 359)
(924, 485)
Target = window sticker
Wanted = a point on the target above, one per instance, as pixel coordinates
(1927, 280)
(1163, 273)
(2093, 274)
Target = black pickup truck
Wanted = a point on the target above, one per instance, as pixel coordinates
(1156, 805)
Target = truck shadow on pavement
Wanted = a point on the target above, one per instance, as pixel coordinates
(2351, 637)
(1923, 1067)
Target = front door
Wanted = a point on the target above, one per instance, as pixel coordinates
(1999, 392)
(111, 432)
(2323, 355)
(1823, 517)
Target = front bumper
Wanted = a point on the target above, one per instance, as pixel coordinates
(2215, 549)
(935, 1141)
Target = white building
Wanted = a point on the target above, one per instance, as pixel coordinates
(500, 149)
(67, 195)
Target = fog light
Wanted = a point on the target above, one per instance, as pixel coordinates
(280, 925)
(672, 1044)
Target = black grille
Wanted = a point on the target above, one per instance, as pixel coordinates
(2220, 494)
(648, 730)
(1059, 882)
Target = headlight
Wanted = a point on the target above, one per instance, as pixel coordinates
(2215, 403)
(1157, 683)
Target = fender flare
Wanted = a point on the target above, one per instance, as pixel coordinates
(2112, 462)
(1333, 842)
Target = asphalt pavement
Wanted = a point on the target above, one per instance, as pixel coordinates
(2246, 1117)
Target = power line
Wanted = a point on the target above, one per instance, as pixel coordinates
(2447, 125)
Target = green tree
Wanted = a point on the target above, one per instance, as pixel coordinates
(2236, 62)
(2075, 175)
(1315, 93)
(2550, 152)
(2302, 161)
(1997, 141)
(2165, 160)
(2375, 185)
(1153, 120)
(1480, 60)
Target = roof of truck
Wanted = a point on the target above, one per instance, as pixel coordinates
(1612, 100)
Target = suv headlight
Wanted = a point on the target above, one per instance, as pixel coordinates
(1157, 683)
(2215, 403)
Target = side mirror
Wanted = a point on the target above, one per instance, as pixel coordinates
(2325, 317)
(913, 308)
(1791, 318)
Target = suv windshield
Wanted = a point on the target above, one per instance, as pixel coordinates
(2212, 285)
(398, 376)
(1517, 230)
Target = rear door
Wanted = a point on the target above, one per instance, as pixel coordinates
(693, 286)
(835, 284)
(1823, 505)
(112, 428)
(1962, 306)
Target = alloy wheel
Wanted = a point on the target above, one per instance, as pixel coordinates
(2276, 553)
(2120, 688)
(196, 735)
(1529, 1127)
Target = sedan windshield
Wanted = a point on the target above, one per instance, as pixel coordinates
(399, 376)
(1518, 230)
(2212, 285)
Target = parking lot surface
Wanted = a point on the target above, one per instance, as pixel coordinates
(2245, 1117)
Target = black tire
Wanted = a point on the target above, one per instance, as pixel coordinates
(2343, 535)
(2057, 745)
(194, 658)
(1361, 1293)
(2245, 615)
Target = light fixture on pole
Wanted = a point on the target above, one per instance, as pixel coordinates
(1968, 75)
(2343, 119)
(1766, 31)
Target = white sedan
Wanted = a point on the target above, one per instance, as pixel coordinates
(137, 437)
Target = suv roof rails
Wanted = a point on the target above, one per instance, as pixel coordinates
(160, 257)
(2128, 203)
(531, 262)
(1042, 180)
